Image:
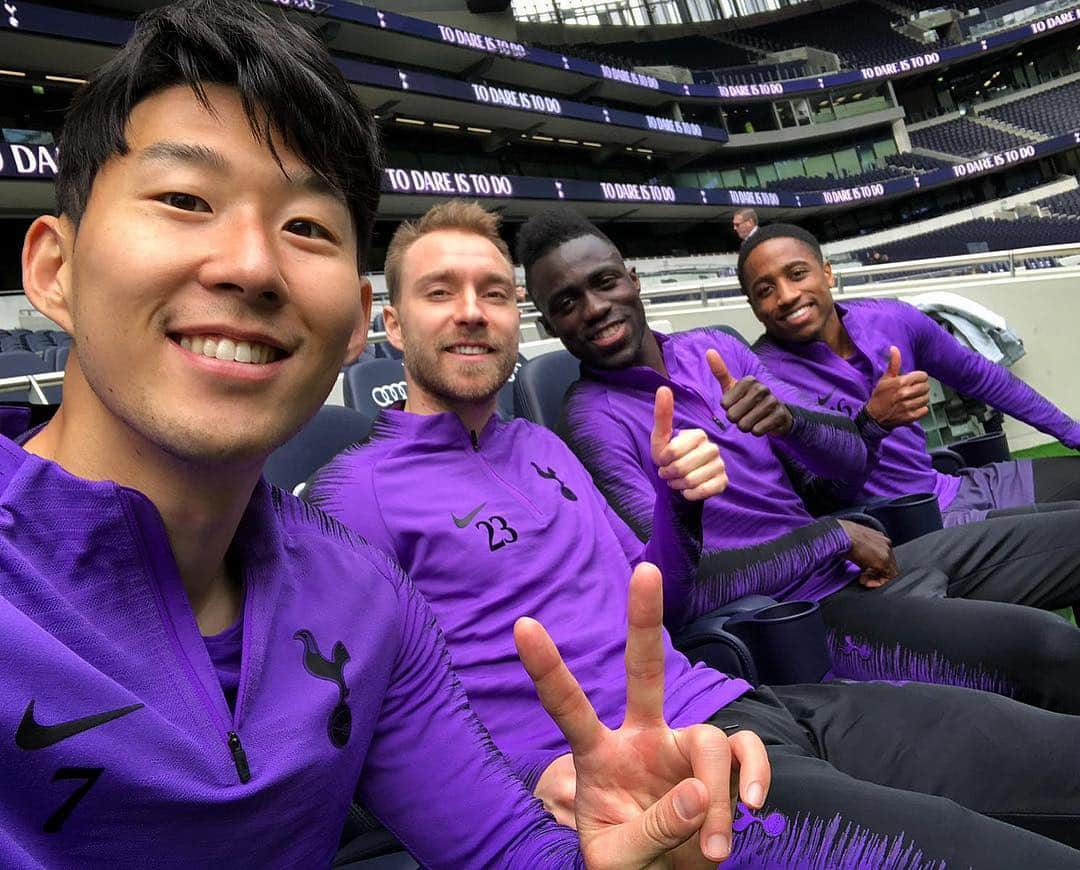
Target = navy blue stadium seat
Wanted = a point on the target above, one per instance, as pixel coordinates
(322, 438)
(541, 385)
(506, 394)
(374, 384)
(25, 362)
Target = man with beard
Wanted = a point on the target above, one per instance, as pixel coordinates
(495, 519)
(943, 608)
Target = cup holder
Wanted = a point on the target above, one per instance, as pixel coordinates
(787, 642)
(908, 517)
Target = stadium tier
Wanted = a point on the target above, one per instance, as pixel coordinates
(524, 118)
(1063, 203)
(1053, 111)
(965, 137)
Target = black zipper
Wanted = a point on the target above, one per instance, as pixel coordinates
(475, 439)
(239, 757)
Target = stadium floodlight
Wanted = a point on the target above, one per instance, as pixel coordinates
(540, 138)
(443, 126)
(569, 141)
(414, 121)
(478, 129)
(66, 79)
(592, 144)
(12, 72)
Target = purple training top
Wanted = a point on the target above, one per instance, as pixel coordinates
(757, 535)
(904, 466)
(505, 524)
(120, 751)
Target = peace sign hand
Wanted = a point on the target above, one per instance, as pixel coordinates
(644, 789)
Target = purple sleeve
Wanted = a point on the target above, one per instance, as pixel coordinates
(332, 490)
(433, 776)
(827, 445)
(640, 507)
(970, 373)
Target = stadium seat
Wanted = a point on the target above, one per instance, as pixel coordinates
(541, 385)
(506, 394)
(372, 385)
(329, 432)
(25, 362)
(983, 449)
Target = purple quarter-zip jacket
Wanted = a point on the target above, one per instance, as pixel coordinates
(119, 749)
(904, 466)
(757, 535)
(506, 523)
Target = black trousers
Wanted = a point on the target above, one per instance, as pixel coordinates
(971, 608)
(869, 775)
(1057, 478)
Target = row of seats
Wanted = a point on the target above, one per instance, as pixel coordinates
(873, 41)
(965, 138)
(964, 238)
(829, 182)
(1066, 204)
(1051, 112)
(36, 340)
(917, 162)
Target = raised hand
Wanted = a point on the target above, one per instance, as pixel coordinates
(689, 461)
(899, 399)
(871, 551)
(645, 788)
(749, 404)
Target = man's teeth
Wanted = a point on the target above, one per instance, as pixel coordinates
(797, 313)
(219, 347)
(469, 349)
(608, 331)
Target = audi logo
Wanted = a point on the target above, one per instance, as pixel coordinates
(385, 395)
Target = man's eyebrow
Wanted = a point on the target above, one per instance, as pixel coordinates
(200, 155)
(783, 267)
(454, 274)
(183, 152)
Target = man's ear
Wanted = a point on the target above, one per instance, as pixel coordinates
(826, 267)
(393, 327)
(358, 339)
(46, 268)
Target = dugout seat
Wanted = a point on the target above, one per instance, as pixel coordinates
(373, 384)
(541, 385)
(25, 362)
(505, 398)
(322, 438)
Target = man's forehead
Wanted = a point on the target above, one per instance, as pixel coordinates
(576, 259)
(777, 254)
(454, 253)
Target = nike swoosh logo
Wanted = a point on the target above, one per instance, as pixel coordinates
(33, 735)
(821, 400)
(468, 518)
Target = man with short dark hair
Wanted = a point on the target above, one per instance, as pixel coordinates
(497, 518)
(745, 223)
(931, 610)
(878, 353)
(198, 669)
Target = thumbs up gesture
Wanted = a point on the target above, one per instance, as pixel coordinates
(688, 461)
(899, 399)
(749, 404)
